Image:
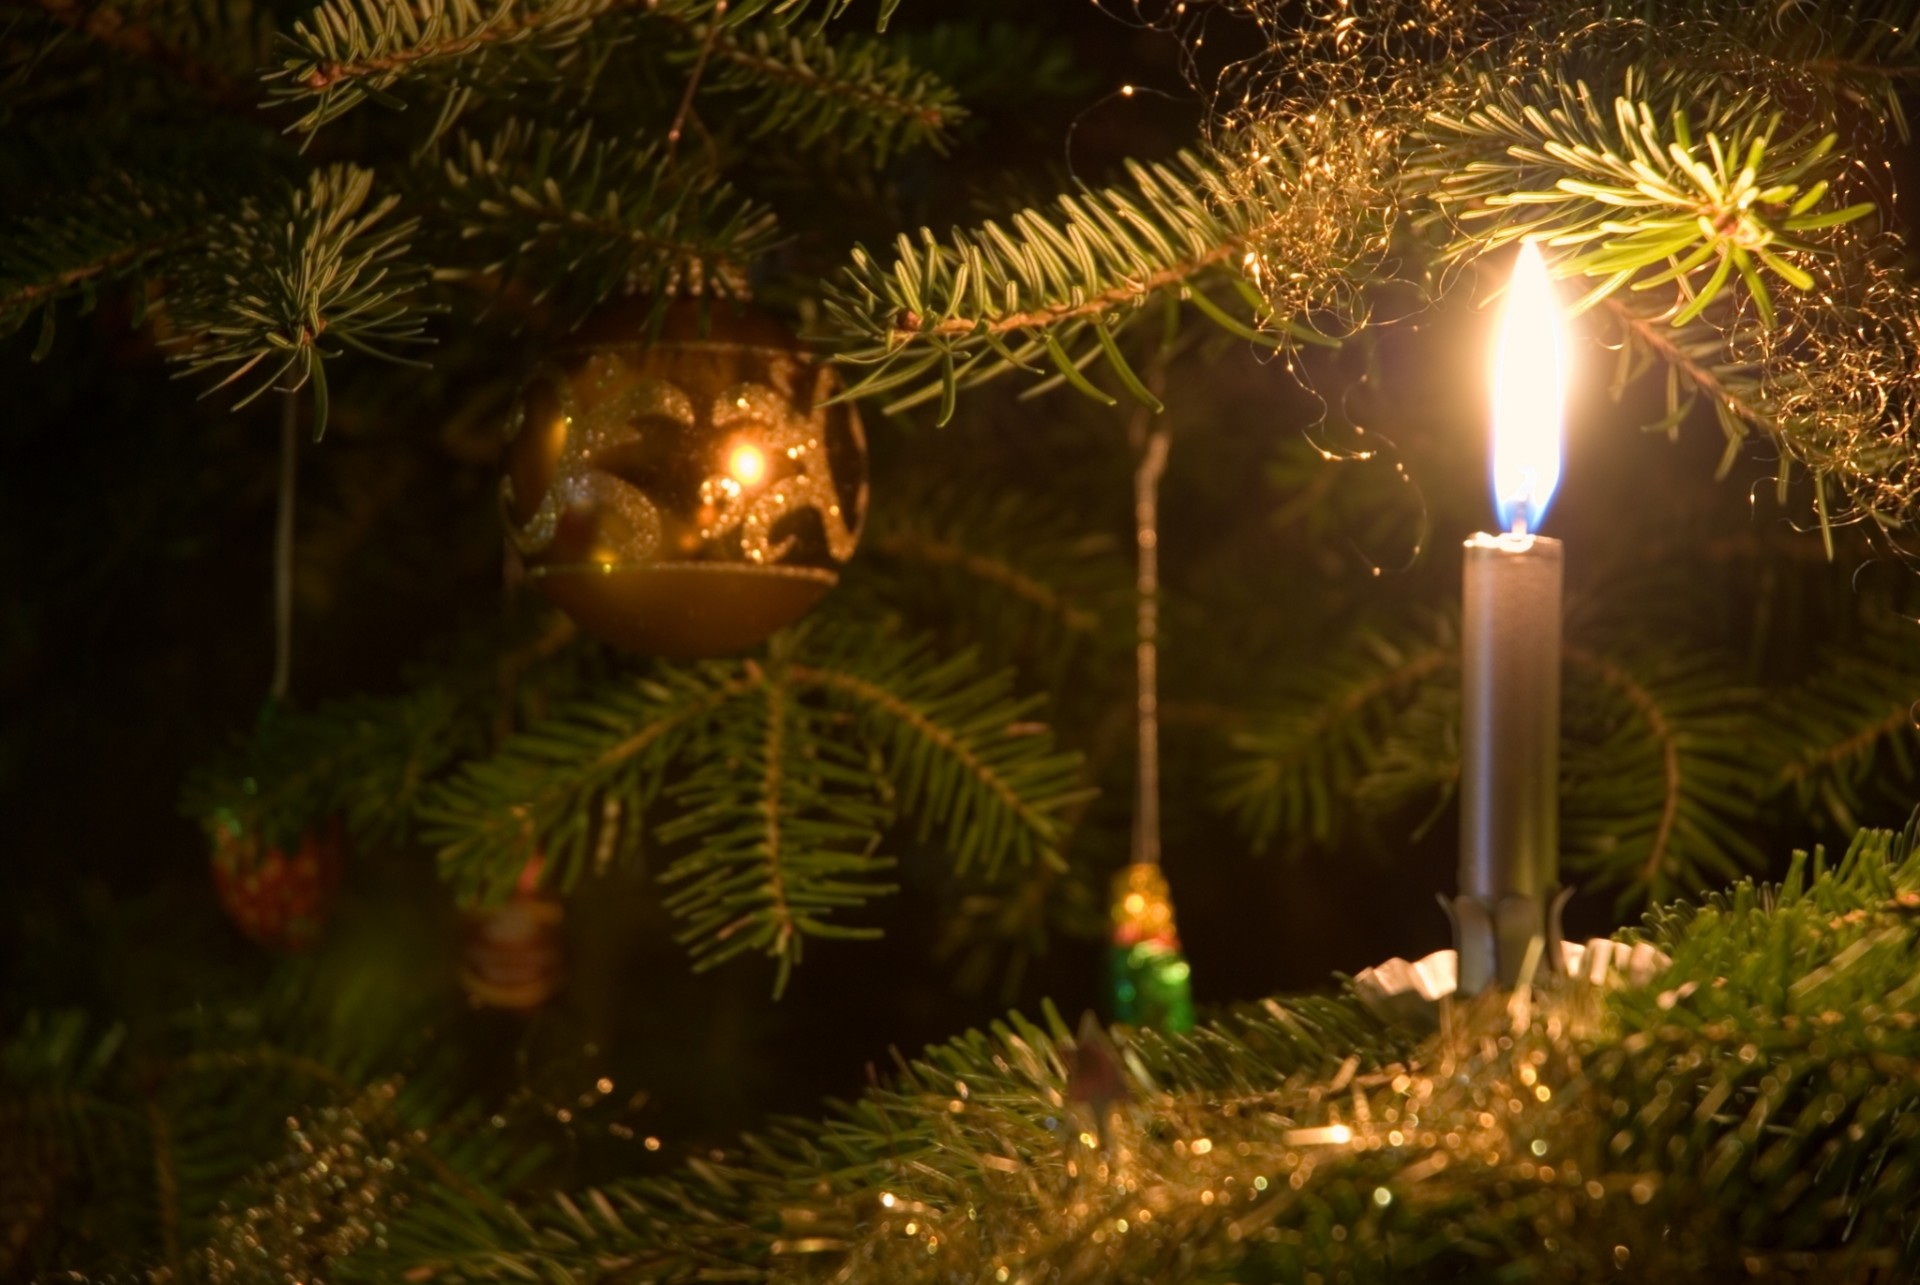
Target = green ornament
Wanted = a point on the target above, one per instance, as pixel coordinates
(1152, 986)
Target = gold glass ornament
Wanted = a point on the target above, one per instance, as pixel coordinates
(682, 493)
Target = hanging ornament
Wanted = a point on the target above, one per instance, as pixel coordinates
(1152, 985)
(513, 956)
(279, 898)
(684, 493)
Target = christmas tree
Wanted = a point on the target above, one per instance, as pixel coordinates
(584, 570)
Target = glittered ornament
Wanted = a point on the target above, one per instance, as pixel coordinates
(513, 953)
(682, 489)
(1152, 984)
(279, 897)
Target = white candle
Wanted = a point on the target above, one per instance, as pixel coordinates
(1510, 650)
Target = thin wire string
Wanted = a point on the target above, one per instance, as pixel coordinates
(1146, 518)
(283, 547)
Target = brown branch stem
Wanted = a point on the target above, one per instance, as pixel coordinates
(1039, 318)
(1833, 755)
(36, 293)
(1657, 338)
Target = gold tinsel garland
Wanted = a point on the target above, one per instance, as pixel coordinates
(334, 1192)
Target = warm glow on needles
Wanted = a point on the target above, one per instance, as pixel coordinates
(1529, 393)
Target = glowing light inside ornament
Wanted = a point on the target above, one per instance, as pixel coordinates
(1529, 395)
(747, 464)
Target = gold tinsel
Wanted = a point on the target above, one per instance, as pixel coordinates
(335, 1191)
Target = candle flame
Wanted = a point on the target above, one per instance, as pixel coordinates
(1529, 391)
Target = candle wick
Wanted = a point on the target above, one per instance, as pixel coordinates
(1520, 522)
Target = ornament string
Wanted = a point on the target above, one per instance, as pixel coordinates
(1152, 983)
(1146, 519)
(283, 548)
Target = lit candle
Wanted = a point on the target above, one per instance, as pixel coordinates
(1510, 649)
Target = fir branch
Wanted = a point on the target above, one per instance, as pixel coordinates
(1294, 774)
(1052, 294)
(569, 212)
(1726, 382)
(784, 825)
(1657, 792)
(858, 93)
(1854, 55)
(280, 285)
(540, 791)
(1751, 1103)
(348, 51)
(788, 772)
(1000, 572)
(125, 229)
(365, 760)
(1659, 188)
(900, 1150)
(109, 26)
(1657, 770)
(1661, 730)
(1848, 732)
(962, 755)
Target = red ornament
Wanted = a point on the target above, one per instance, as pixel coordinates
(279, 899)
(513, 956)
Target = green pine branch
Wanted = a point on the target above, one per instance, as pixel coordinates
(568, 212)
(1698, 364)
(200, 44)
(859, 93)
(1854, 55)
(964, 755)
(123, 232)
(986, 1113)
(366, 760)
(781, 777)
(141, 1139)
(999, 572)
(1051, 295)
(1294, 773)
(1845, 739)
(285, 287)
(1659, 774)
(349, 51)
(574, 785)
(1661, 187)
(1012, 545)
(784, 823)
(1750, 1104)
